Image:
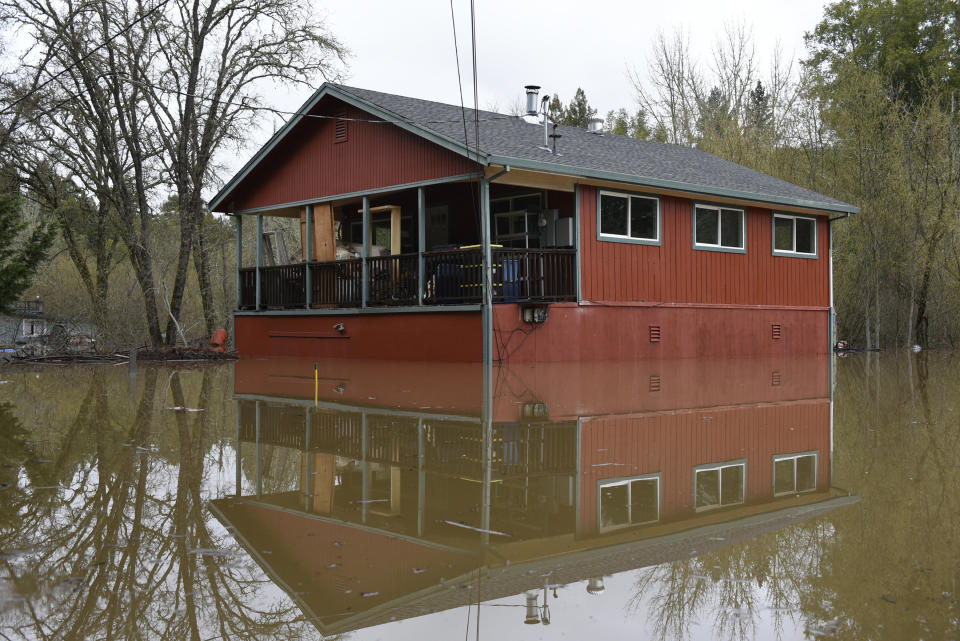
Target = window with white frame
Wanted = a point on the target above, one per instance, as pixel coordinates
(629, 501)
(720, 228)
(794, 473)
(628, 217)
(719, 485)
(794, 235)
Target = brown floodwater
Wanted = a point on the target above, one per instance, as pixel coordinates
(687, 499)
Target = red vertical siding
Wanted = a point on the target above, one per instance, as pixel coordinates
(307, 163)
(675, 272)
(672, 444)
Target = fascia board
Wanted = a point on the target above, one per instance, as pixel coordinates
(643, 181)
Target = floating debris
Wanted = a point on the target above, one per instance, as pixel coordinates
(181, 408)
(419, 570)
(366, 594)
(333, 565)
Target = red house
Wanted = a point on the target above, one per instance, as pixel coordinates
(602, 247)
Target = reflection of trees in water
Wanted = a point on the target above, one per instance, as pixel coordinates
(733, 589)
(126, 548)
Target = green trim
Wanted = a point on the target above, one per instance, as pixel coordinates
(782, 253)
(356, 409)
(358, 311)
(630, 240)
(645, 181)
(357, 194)
(576, 236)
(327, 89)
(717, 248)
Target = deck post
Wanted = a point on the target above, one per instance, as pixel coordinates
(576, 236)
(259, 453)
(364, 468)
(365, 253)
(239, 221)
(487, 305)
(421, 478)
(308, 278)
(308, 465)
(259, 254)
(238, 471)
(421, 241)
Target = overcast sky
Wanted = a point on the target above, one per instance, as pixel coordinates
(406, 47)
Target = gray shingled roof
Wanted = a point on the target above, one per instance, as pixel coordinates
(581, 153)
(511, 141)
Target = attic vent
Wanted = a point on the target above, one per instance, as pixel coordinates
(654, 382)
(654, 333)
(776, 331)
(340, 130)
(776, 379)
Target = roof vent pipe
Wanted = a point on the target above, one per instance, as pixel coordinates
(595, 125)
(533, 92)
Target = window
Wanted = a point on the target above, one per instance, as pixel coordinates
(719, 228)
(794, 236)
(719, 485)
(628, 218)
(794, 473)
(630, 501)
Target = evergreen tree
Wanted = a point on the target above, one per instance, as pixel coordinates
(555, 110)
(758, 109)
(579, 111)
(20, 251)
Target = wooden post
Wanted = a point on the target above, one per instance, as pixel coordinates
(308, 278)
(239, 221)
(259, 254)
(421, 241)
(365, 253)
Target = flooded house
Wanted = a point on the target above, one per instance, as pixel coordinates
(384, 500)
(601, 247)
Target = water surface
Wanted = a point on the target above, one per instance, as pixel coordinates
(741, 499)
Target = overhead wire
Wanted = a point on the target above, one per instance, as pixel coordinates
(83, 58)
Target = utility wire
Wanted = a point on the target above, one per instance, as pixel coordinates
(463, 110)
(83, 58)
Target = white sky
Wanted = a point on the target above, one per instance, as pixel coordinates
(406, 47)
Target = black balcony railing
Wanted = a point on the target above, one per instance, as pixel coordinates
(449, 278)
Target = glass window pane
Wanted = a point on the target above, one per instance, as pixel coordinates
(519, 224)
(731, 228)
(643, 218)
(806, 230)
(783, 476)
(613, 215)
(731, 485)
(783, 234)
(705, 232)
(503, 225)
(613, 505)
(643, 501)
(499, 206)
(708, 488)
(806, 473)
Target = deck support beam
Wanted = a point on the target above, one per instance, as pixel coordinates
(365, 254)
(239, 222)
(308, 277)
(576, 237)
(259, 255)
(421, 241)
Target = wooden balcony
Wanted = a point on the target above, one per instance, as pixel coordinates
(432, 278)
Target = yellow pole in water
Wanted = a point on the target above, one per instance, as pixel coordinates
(316, 384)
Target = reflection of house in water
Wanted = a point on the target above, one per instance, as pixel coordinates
(377, 503)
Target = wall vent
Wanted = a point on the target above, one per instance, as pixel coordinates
(340, 128)
(776, 379)
(654, 333)
(776, 331)
(654, 382)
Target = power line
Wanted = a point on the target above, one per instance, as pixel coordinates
(463, 110)
(83, 58)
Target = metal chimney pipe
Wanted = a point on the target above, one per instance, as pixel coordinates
(595, 125)
(533, 91)
(533, 612)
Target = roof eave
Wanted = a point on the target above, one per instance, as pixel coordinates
(327, 89)
(643, 181)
